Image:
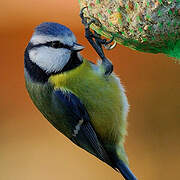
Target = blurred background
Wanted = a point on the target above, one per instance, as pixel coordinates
(30, 148)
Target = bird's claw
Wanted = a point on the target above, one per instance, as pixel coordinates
(108, 44)
(96, 41)
(83, 19)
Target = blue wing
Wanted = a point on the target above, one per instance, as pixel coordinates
(83, 133)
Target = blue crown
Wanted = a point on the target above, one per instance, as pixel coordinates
(53, 29)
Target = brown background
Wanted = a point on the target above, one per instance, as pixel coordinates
(31, 149)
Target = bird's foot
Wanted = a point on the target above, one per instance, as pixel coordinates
(108, 67)
(96, 41)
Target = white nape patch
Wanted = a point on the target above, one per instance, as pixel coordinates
(41, 39)
(50, 59)
(77, 127)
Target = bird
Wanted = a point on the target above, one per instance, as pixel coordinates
(76, 95)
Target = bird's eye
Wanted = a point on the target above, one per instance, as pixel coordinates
(56, 44)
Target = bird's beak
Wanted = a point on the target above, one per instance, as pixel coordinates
(77, 47)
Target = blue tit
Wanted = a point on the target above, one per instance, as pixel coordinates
(76, 96)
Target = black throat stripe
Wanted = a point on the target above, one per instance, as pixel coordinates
(36, 73)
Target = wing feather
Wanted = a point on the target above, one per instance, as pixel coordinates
(82, 125)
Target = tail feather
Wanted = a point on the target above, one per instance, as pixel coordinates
(125, 171)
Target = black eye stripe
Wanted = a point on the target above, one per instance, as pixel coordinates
(53, 44)
(56, 44)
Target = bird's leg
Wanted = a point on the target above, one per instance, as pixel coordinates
(96, 42)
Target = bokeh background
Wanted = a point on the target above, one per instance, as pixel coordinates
(30, 148)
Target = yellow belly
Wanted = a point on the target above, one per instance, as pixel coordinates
(103, 98)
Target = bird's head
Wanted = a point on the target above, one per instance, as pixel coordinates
(52, 49)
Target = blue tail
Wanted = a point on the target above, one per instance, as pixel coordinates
(125, 171)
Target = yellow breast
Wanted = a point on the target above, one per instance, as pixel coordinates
(103, 98)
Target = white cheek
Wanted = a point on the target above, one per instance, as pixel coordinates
(49, 59)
